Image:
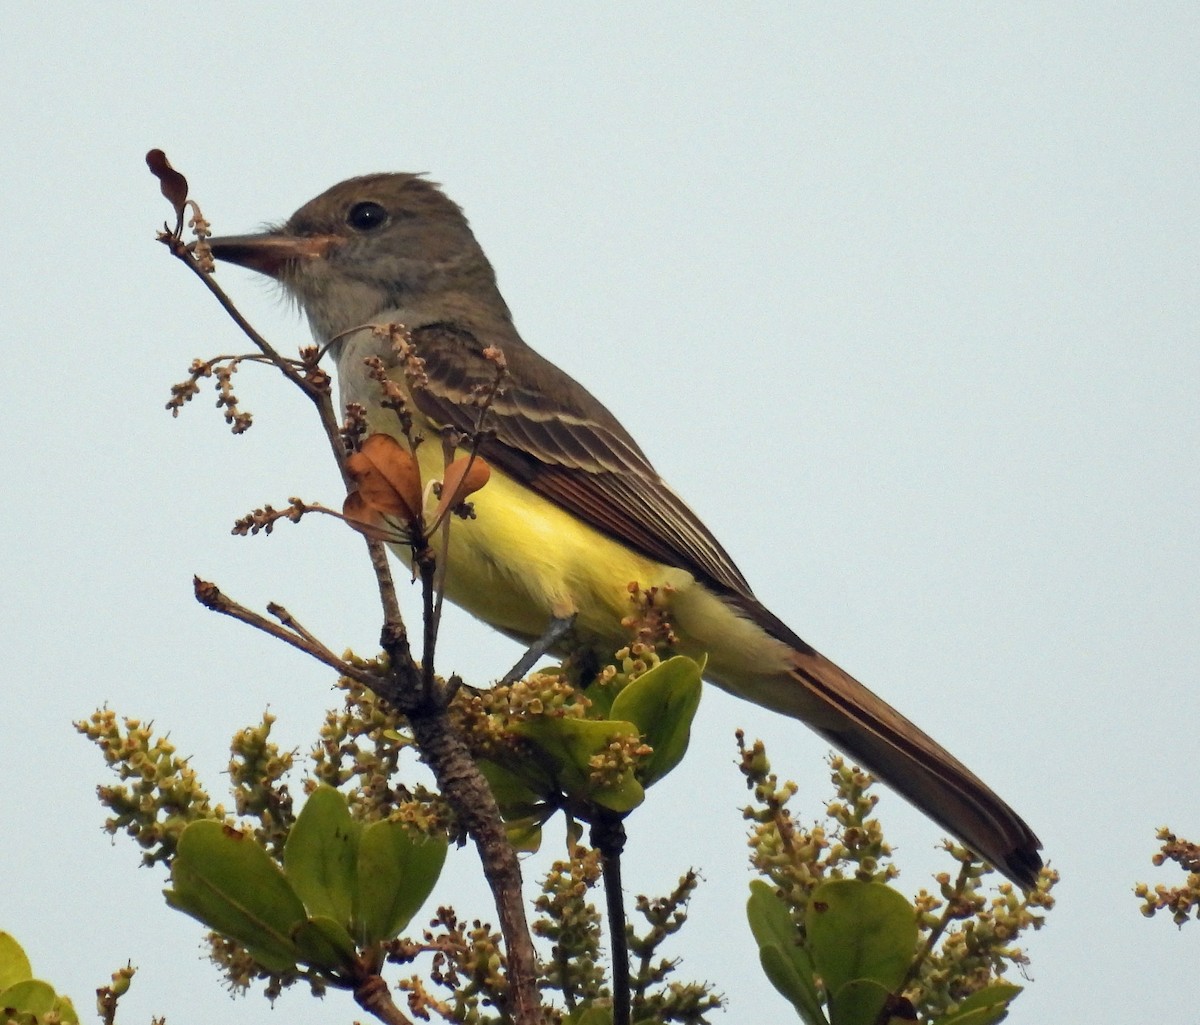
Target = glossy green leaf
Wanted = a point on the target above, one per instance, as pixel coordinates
(320, 858)
(569, 744)
(513, 790)
(782, 974)
(325, 943)
(857, 1003)
(525, 834)
(785, 962)
(600, 695)
(224, 879)
(65, 1010)
(859, 932)
(590, 1016)
(22, 993)
(37, 999)
(31, 996)
(397, 869)
(14, 965)
(986, 1007)
(520, 782)
(523, 810)
(662, 703)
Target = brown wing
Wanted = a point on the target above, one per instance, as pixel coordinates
(558, 440)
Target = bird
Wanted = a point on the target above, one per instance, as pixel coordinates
(574, 513)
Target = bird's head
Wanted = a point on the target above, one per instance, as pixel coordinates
(369, 245)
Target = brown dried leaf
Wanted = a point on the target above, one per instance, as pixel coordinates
(388, 478)
(462, 478)
(173, 184)
(365, 519)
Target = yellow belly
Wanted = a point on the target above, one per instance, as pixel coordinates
(522, 561)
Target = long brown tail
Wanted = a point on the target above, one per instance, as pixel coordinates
(908, 760)
(873, 733)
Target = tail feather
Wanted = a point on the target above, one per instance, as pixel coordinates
(873, 733)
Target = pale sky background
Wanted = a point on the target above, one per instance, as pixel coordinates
(903, 300)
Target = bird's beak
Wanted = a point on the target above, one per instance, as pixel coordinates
(269, 253)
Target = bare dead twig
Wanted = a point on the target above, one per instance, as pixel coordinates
(212, 597)
(288, 620)
(183, 252)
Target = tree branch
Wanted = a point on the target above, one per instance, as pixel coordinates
(460, 781)
(374, 997)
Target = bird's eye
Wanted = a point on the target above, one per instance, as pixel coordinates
(367, 216)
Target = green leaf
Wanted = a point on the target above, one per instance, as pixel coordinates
(33, 999)
(601, 694)
(662, 703)
(512, 790)
(325, 944)
(518, 781)
(859, 932)
(31, 996)
(796, 988)
(522, 809)
(397, 869)
(985, 1007)
(525, 834)
(320, 857)
(858, 1002)
(223, 878)
(786, 963)
(569, 744)
(65, 1010)
(590, 1015)
(14, 965)
(22, 993)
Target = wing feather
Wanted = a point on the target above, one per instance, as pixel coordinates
(553, 436)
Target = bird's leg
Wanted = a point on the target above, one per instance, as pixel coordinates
(555, 632)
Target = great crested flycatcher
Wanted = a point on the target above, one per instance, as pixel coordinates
(574, 512)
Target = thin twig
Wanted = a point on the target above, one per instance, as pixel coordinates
(608, 837)
(427, 567)
(293, 624)
(322, 400)
(318, 395)
(949, 913)
(442, 525)
(211, 597)
(387, 583)
(180, 249)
